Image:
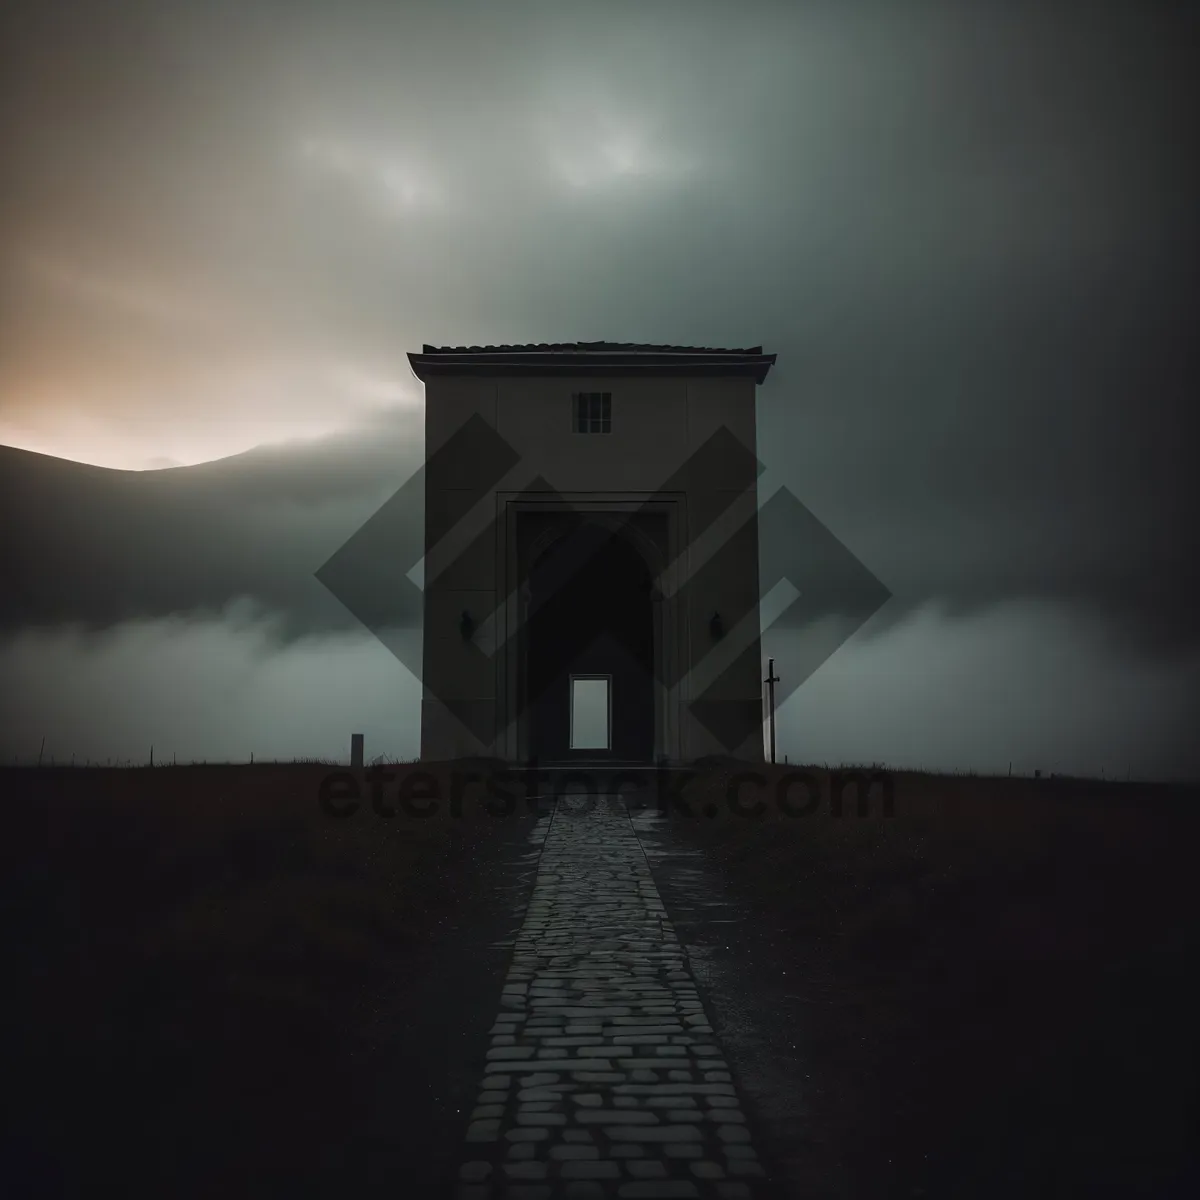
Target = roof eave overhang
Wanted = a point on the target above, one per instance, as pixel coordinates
(755, 367)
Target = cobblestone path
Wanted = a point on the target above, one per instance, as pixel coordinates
(604, 1078)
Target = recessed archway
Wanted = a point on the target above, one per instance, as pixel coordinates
(590, 612)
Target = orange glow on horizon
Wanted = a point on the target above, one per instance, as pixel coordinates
(268, 409)
(115, 450)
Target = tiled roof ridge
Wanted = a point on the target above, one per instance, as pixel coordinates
(589, 347)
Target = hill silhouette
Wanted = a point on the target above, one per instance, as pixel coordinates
(94, 547)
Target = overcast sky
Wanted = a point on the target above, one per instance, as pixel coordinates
(968, 232)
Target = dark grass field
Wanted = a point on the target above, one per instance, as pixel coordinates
(214, 988)
(1009, 978)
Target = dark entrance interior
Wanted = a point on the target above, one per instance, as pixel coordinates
(590, 613)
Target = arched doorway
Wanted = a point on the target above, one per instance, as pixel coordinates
(590, 614)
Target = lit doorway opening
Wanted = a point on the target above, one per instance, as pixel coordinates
(591, 712)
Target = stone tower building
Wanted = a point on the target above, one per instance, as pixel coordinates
(591, 553)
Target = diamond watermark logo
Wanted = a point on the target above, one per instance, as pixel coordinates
(809, 582)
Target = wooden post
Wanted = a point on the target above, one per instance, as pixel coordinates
(356, 751)
(771, 680)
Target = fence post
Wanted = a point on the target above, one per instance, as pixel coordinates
(771, 680)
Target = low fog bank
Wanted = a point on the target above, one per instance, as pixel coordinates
(219, 690)
(1032, 684)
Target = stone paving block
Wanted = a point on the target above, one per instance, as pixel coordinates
(738, 1150)
(498, 1052)
(578, 1189)
(550, 1092)
(527, 1134)
(646, 1169)
(674, 1088)
(655, 1133)
(590, 1170)
(526, 1117)
(568, 1151)
(615, 1116)
(667, 1189)
(732, 1133)
(525, 1170)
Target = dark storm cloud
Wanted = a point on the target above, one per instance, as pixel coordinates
(967, 236)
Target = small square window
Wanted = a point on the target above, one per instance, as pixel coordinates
(593, 412)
